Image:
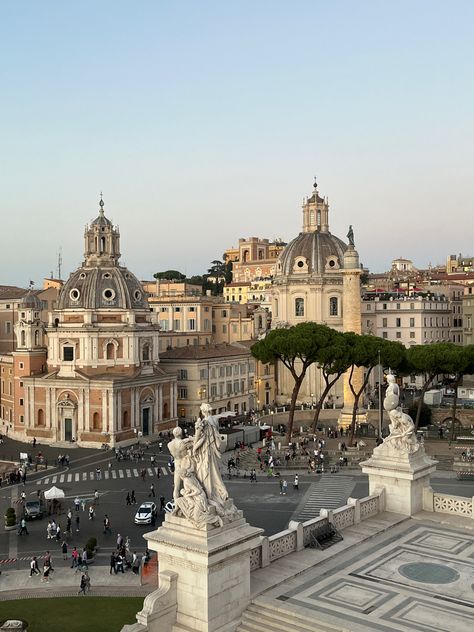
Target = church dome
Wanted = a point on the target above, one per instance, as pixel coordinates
(31, 301)
(94, 288)
(101, 283)
(312, 252)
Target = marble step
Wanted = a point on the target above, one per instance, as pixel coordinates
(262, 616)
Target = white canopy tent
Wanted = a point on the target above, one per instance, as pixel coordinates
(54, 493)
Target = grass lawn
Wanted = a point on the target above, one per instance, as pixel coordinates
(73, 614)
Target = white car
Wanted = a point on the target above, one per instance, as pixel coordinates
(146, 513)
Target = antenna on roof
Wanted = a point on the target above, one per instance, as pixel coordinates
(60, 261)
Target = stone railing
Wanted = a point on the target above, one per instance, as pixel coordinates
(445, 503)
(298, 534)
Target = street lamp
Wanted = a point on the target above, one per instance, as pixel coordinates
(258, 405)
(272, 412)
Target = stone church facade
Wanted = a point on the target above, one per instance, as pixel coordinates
(317, 278)
(93, 375)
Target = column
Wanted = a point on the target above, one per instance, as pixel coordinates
(160, 402)
(104, 406)
(111, 418)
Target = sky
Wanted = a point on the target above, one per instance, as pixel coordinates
(206, 121)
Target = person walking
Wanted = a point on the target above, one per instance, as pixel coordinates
(74, 558)
(83, 585)
(112, 564)
(162, 503)
(107, 528)
(46, 571)
(296, 483)
(23, 528)
(133, 500)
(96, 497)
(119, 542)
(64, 549)
(284, 487)
(34, 570)
(119, 563)
(152, 491)
(128, 500)
(58, 532)
(77, 503)
(84, 558)
(281, 487)
(91, 513)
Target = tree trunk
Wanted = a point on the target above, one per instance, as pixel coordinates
(319, 405)
(454, 408)
(291, 414)
(354, 415)
(420, 401)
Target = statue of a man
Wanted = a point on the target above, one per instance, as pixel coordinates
(180, 450)
(350, 236)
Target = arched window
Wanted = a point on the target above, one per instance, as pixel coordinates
(40, 417)
(36, 338)
(96, 425)
(311, 218)
(146, 353)
(276, 307)
(260, 322)
(319, 218)
(333, 306)
(245, 256)
(299, 306)
(125, 422)
(102, 244)
(110, 351)
(23, 339)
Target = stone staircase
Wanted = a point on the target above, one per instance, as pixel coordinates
(264, 616)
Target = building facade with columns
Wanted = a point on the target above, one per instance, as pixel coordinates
(317, 278)
(93, 374)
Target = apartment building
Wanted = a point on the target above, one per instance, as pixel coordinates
(221, 374)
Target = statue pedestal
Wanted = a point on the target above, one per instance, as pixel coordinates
(206, 576)
(345, 417)
(403, 474)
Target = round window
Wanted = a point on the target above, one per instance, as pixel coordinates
(137, 295)
(108, 294)
(106, 275)
(332, 263)
(82, 275)
(74, 294)
(300, 264)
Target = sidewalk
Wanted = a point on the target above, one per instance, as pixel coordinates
(64, 582)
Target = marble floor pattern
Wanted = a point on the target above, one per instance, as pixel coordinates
(416, 577)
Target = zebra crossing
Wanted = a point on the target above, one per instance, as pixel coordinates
(330, 492)
(75, 477)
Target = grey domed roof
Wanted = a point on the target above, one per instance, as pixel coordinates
(31, 301)
(111, 287)
(317, 248)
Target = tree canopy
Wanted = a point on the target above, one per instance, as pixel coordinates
(170, 275)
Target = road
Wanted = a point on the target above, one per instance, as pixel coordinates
(262, 504)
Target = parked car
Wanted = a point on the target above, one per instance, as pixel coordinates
(33, 509)
(146, 513)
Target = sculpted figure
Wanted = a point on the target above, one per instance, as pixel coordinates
(193, 504)
(207, 455)
(180, 450)
(402, 429)
(350, 236)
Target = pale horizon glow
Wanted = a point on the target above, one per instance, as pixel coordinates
(204, 122)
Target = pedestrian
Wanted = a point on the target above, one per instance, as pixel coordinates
(160, 446)
(74, 558)
(162, 503)
(91, 513)
(83, 504)
(112, 564)
(46, 572)
(77, 503)
(23, 528)
(119, 564)
(34, 570)
(98, 474)
(152, 491)
(84, 558)
(96, 497)
(143, 474)
(109, 465)
(88, 582)
(133, 500)
(284, 487)
(107, 524)
(58, 532)
(34, 441)
(69, 515)
(64, 549)
(281, 487)
(128, 499)
(49, 560)
(296, 483)
(119, 541)
(83, 585)
(23, 497)
(135, 564)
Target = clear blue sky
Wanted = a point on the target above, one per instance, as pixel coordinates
(205, 121)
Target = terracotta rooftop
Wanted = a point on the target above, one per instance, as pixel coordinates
(12, 291)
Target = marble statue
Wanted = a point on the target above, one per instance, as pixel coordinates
(350, 236)
(199, 492)
(402, 429)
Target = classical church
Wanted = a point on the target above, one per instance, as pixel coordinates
(93, 374)
(317, 279)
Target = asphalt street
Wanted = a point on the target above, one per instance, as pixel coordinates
(261, 502)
